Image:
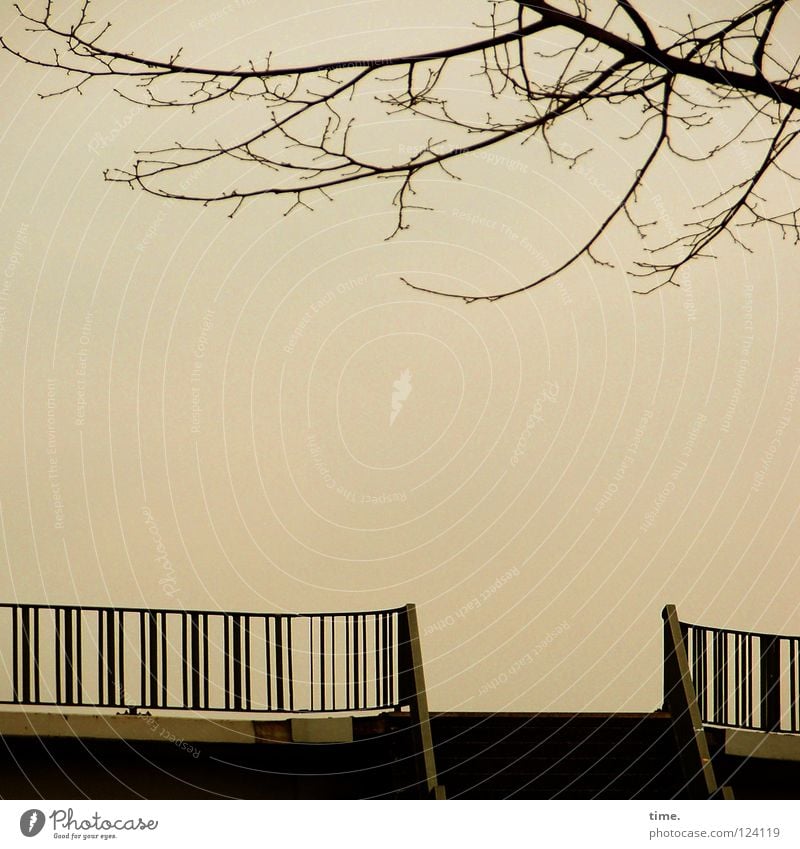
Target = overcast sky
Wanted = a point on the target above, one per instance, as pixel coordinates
(266, 400)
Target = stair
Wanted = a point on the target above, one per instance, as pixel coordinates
(557, 756)
(478, 756)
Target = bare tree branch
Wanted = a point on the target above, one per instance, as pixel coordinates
(687, 82)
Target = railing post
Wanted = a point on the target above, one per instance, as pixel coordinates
(413, 693)
(680, 700)
(770, 663)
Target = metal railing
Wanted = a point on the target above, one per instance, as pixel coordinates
(745, 679)
(129, 658)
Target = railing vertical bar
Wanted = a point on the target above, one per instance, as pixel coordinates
(194, 643)
(111, 659)
(267, 648)
(105, 660)
(378, 660)
(387, 618)
(152, 646)
(764, 684)
(289, 653)
(356, 663)
(101, 656)
(737, 679)
(323, 691)
(347, 664)
(15, 652)
(311, 685)
(695, 665)
(58, 651)
(720, 676)
(335, 659)
(376, 679)
(236, 628)
(356, 648)
(381, 649)
(770, 683)
(315, 653)
(37, 694)
(377, 627)
(750, 679)
(143, 659)
(69, 670)
(79, 652)
(26, 654)
(121, 657)
(205, 661)
(751, 674)
(741, 679)
(792, 686)
(387, 659)
(744, 682)
(356, 654)
(227, 656)
(707, 670)
(247, 667)
(700, 645)
(164, 670)
(714, 667)
(690, 643)
(796, 686)
(184, 660)
(279, 691)
(699, 635)
(364, 659)
(392, 668)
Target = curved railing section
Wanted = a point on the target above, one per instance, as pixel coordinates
(745, 679)
(129, 658)
(132, 658)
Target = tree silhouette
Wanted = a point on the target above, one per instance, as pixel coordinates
(700, 90)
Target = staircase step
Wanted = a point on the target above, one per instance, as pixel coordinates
(557, 755)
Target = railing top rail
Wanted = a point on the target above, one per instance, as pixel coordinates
(184, 610)
(740, 633)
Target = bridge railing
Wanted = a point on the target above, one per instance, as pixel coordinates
(745, 679)
(129, 658)
(132, 659)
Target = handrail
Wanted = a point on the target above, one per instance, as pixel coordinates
(737, 632)
(133, 658)
(681, 701)
(745, 680)
(287, 613)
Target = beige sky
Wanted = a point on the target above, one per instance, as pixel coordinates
(561, 464)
